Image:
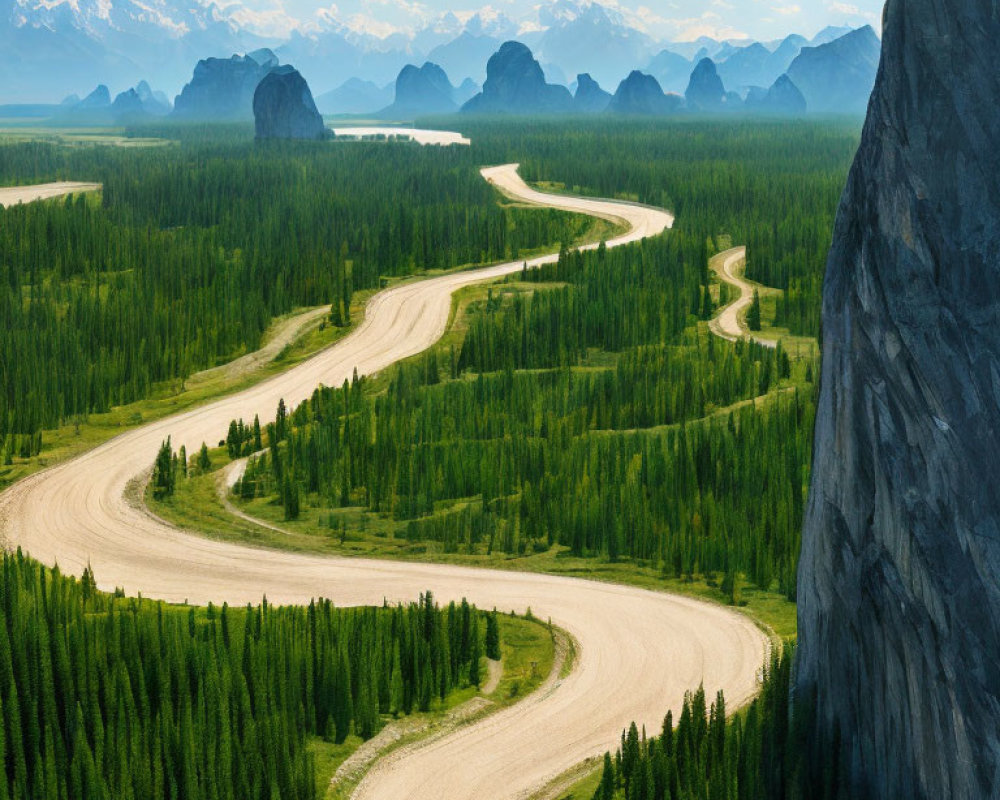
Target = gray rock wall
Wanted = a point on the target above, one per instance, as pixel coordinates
(899, 579)
(283, 107)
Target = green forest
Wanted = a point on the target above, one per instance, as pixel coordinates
(509, 447)
(773, 185)
(191, 250)
(111, 697)
(584, 406)
(760, 752)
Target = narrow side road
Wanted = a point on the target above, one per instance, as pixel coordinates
(728, 323)
(638, 651)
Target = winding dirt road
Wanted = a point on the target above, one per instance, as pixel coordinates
(728, 324)
(13, 195)
(638, 651)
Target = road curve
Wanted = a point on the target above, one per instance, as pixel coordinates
(14, 195)
(638, 651)
(727, 323)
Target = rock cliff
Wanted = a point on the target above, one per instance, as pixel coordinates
(705, 91)
(838, 76)
(222, 89)
(590, 98)
(516, 84)
(421, 90)
(283, 107)
(783, 97)
(899, 578)
(641, 94)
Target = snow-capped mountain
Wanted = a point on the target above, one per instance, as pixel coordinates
(52, 48)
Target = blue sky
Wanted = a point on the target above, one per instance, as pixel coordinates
(680, 20)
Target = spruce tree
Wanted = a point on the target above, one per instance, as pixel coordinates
(753, 313)
(492, 636)
(163, 472)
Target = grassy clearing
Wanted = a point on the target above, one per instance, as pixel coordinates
(33, 130)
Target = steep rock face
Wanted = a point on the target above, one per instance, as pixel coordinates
(838, 76)
(223, 88)
(783, 97)
(138, 105)
(128, 109)
(641, 94)
(99, 98)
(153, 102)
(283, 107)
(899, 578)
(516, 84)
(747, 67)
(705, 91)
(421, 90)
(590, 98)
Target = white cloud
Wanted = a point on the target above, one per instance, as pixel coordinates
(851, 10)
(787, 11)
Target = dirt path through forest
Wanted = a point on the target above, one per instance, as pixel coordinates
(728, 323)
(638, 651)
(14, 195)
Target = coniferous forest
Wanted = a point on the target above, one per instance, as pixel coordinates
(112, 697)
(511, 447)
(588, 408)
(192, 249)
(584, 407)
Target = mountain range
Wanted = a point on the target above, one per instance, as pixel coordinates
(54, 48)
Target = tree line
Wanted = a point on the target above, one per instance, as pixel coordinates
(103, 696)
(517, 442)
(773, 185)
(193, 249)
(760, 753)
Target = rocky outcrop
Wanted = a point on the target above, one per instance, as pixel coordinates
(899, 577)
(139, 105)
(705, 92)
(641, 94)
(421, 90)
(590, 98)
(783, 98)
(127, 108)
(222, 89)
(94, 109)
(153, 102)
(515, 84)
(838, 76)
(283, 107)
(97, 99)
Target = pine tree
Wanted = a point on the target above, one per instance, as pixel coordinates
(396, 684)
(475, 654)
(492, 636)
(163, 472)
(753, 313)
(204, 461)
